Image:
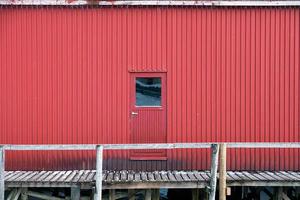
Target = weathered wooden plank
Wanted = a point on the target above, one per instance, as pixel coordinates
(242, 176)
(290, 176)
(267, 177)
(171, 177)
(192, 176)
(64, 177)
(164, 176)
(178, 176)
(104, 175)
(204, 176)
(75, 193)
(51, 176)
(7, 173)
(78, 176)
(84, 176)
(130, 176)
(55, 178)
(275, 176)
(16, 175)
(110, 177)
(91, 175)
(233, 176)
(198, 177)
(150, 176)
(11, 174)
(295, 174)
(71, 176)
(260, 177)
(250, 176)
(144, 176)
(123, 176)
(157, 176)
(23, 176)
(45, 175)
(185, 176)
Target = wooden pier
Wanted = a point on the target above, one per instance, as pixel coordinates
(18, 183)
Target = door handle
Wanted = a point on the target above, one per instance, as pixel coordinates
(134, 113)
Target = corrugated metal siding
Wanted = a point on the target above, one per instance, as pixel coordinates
(232, 75)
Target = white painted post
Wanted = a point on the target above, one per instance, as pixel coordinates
(213, 171)
(2, 168)
(99, 160)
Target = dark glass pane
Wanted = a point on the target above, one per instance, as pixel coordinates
(148, 91)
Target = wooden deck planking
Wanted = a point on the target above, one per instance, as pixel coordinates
(158, 179)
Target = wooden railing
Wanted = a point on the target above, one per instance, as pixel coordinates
(215, 148)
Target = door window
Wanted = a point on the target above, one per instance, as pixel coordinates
(148, 91)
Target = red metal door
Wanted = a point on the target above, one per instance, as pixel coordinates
(148, 113)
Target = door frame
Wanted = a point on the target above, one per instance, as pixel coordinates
(133, 107)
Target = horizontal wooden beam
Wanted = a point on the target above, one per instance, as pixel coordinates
(77, 147)
(170, 185)
(128, 185)
(264, 183)
(152, 3)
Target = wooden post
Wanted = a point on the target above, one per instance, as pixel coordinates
(2, 168)
(75, 193)
(155, 194)
(222, 172)
(148, 194)
(112, 194)
(131, 194)
(99, 160)
(24, 195)
(195, 194)
(213, 171)
(297, 192)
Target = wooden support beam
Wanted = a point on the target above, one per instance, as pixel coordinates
(195, 194)
(75, 193)
(148, 194)
(99, 160)
(204, 194)
(297, 192)
(12, 193)
(17, 194)
(285, 197)
(112, 194)
(278, 193)
(213, 171)
(2, 168)
(131, 194)
(222, 172)
(24, 195)
(155, 194)
(42, 196)
(267, 192)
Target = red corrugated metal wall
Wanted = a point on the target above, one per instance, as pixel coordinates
(232, 75)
